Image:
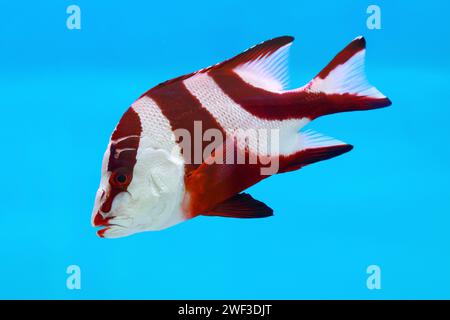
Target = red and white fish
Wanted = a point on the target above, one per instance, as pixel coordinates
(147, 182)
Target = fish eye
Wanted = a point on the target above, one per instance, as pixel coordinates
(119, 179)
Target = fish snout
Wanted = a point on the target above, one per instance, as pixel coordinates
(112, 226)
(99, 220)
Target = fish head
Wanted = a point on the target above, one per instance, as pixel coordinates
(141, 187)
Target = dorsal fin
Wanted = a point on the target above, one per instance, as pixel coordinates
(263, 65)
(262, 50)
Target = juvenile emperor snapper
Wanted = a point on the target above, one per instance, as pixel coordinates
(148, 179)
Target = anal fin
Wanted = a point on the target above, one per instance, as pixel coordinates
(241, 205)
(314, 148)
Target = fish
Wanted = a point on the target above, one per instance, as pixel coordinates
(156, 171)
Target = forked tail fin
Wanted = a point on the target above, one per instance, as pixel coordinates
(343, 83)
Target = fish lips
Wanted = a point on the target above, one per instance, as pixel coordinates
(114, 226)
(100, 221)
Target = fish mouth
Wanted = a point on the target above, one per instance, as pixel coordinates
(100, 221)
(112, 226)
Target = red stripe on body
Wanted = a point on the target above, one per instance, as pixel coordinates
(182, 109)
(292, 104)
(262, 103)
(122, 161)
(128, 127)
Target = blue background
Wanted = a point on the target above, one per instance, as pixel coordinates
(385, 203)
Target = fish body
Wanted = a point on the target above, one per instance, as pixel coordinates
(190, 146)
